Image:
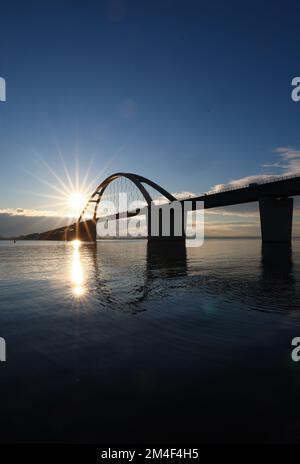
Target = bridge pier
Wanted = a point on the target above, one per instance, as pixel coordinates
(166, 222)
(276, 216)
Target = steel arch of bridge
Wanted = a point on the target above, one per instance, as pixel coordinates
(136, 179)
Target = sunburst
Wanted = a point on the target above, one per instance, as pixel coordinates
(67, 191)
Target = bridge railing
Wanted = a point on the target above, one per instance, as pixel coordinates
(230, 189)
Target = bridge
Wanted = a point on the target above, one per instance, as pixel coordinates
(274, 199)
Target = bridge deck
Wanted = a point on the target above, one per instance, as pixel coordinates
(284, 187)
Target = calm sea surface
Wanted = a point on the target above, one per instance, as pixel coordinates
(127, 342)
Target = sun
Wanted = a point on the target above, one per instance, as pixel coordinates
(77, 201)
(69, 191)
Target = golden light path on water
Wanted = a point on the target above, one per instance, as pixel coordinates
(77, 274)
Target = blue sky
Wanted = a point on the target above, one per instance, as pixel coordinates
(188, 93)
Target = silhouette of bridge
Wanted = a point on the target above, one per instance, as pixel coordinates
(274, 198)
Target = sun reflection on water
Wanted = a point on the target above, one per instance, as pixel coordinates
(77, 275)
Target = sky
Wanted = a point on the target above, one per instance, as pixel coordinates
(191, 94)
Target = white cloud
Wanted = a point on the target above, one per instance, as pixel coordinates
(231, 212)
(27, 212)
(289, 161)
(182, 195)
(243, 181)
(288, 165)
(34, 213)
